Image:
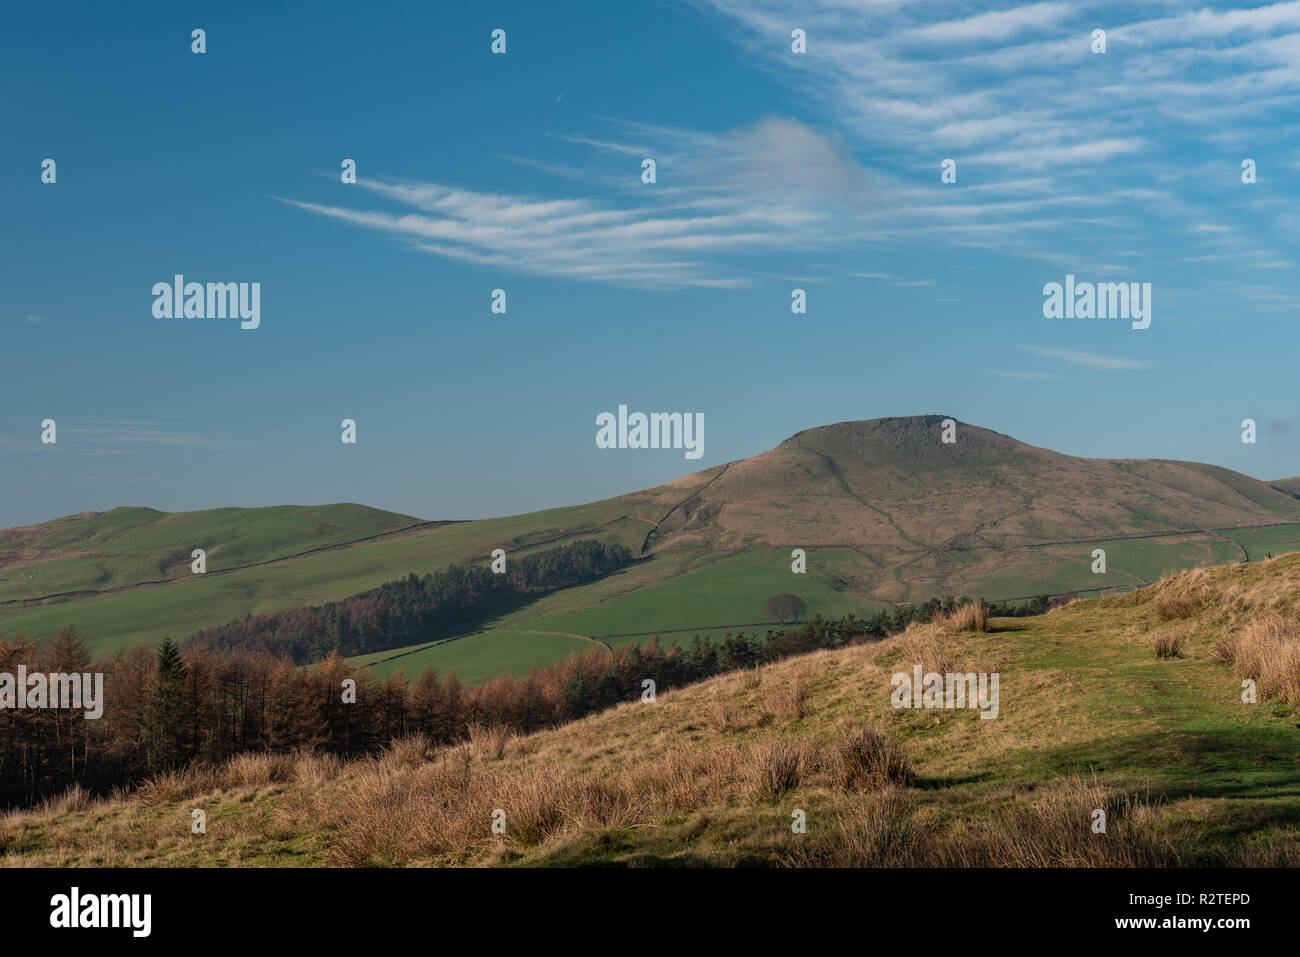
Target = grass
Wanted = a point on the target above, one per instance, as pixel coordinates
(126, 546)
(149, 613)
(728, 590)
(477, 658)
(715, 773)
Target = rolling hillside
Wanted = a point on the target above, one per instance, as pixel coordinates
(886, 512)
(104, 551)
(1289, 485)
(1090, 717)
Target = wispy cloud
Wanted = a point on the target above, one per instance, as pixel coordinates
(776, 185)
(1019, 99)
(1090, 360)
(1063, 154)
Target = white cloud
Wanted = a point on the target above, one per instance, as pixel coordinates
(1090, 360)
(776, 185)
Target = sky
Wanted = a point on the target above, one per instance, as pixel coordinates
(523, 171)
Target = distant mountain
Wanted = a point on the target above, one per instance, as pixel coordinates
(1289, 485)
(96, 551)
(892, 483)
(885, 511)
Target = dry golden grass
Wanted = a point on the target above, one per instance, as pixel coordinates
(711, 772)
(778, 765)
(76, 798)
(1169, 644)
(1267, 650)
(1170, 607)
(972, 616)
(866, 759)
(924, 645)
(788, 700)
(489, 741)
(721, 716)
(1051, 827)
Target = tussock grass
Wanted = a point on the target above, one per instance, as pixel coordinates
(76, 798)
(1169, 644)
(489, 741)
(866, 759)
(924, 645)
(1170, 607)
(972, 616)
(788, 701)
(1051, 827)
(778, 765)
(1267, 650)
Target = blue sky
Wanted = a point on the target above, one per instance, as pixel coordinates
(523, 171)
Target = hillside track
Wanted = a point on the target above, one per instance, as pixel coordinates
(645, 545)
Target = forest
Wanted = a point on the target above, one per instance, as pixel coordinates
(166, 708)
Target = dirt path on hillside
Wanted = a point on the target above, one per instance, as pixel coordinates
(1245, 555)
(645, 545)
(492, 631)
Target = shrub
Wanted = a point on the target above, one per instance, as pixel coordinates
(1267, 650)
(971, 616)
(1169, 645)
(867, 760)
(1169, 606)
(776, 766)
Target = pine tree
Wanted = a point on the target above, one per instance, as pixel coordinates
(164, 723)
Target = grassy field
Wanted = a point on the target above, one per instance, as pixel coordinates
(126, 546)
(730, 590)
(477, 658)
(148, 613)
(1258, 543)
(711, 774)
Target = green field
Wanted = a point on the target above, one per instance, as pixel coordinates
(126, 546)
(1058, 569)
(477, 658)
(148, 613)
(1259, 542)
(730, 591)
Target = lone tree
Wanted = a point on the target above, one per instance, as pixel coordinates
(785, 607)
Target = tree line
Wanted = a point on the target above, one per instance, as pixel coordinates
(169, 707)
(413, 609)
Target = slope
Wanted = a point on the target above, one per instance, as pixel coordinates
(711, 774)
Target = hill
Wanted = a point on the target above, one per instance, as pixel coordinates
(1291, 486)
(891, 484)
(103, 551)
(886, 511)
(1090, 717)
